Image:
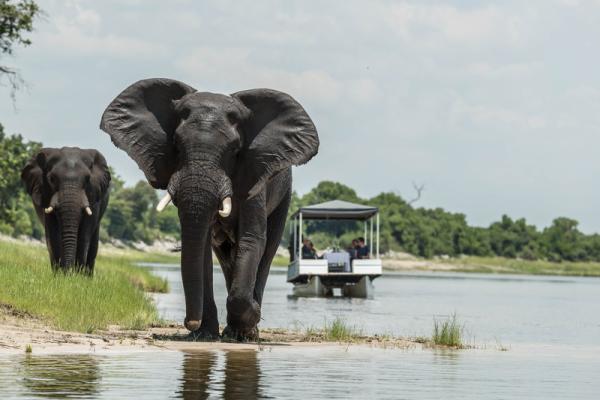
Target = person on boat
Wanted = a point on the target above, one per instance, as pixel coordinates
(308, 250)
(312, 248)
(353, 249)
(363, 251)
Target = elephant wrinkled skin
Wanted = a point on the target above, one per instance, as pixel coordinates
(225, 162)
(70, 189)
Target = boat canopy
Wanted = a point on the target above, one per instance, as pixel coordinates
(337, 209)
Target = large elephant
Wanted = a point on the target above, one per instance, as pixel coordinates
(70, 189)
(225, 162)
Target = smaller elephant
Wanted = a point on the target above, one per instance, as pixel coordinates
(70, 190)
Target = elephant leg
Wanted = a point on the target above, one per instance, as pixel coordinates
(52, 240)
(92, 251)
(243, 311)
(224, 253)
(275, 228)
(85, 239)
(209, 327)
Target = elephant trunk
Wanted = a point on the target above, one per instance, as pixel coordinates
(198, 194)
(71, 205)
(194, 236)
(69, 217)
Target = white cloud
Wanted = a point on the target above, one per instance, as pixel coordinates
(422, 23)
(79, 30)
(232, 69)
(509, 70)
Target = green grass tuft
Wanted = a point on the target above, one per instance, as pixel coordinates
(447, 332)
(340, 331)
(73, 302)
(28, 349)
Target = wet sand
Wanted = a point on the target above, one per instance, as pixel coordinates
(18, 331)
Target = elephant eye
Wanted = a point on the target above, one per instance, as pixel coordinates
(184, 113)
(51, 179)
(233, 117)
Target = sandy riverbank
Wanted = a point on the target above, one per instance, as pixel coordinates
(19, 331)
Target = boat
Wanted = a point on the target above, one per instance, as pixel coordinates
(335, 269)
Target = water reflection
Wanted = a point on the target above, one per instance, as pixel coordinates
(233, 374)
(60, 377)
(242, 375)
(196, 375)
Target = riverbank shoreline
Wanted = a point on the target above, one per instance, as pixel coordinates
(23, 334)
(162, 252)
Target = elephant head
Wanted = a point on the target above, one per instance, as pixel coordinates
(211, 152)
(66, 186)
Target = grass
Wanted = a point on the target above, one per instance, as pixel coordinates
(340, 331)
(447, 332)
(281, 261)
(73, 302)
(123, 262)
(519, 266)
(336, 331)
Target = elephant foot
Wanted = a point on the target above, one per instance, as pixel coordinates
(240, 335)
(192, 325)
(204, 335)
(242, 312)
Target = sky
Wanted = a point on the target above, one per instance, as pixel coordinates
(494, 106)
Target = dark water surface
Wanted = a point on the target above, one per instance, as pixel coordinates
(551, 327)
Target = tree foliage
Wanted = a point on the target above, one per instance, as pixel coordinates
(16, 20)
(435, 232)
(17, 216)
(131, 216)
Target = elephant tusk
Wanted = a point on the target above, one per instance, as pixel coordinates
(88, 211)
(48, 210)
(225, 208)
(163, 202)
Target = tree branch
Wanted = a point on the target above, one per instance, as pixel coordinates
(15, 82)
(419, 189)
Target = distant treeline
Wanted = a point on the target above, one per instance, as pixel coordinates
(131, 216)
(433, 232)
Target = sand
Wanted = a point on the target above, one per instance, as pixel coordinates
(19, 331)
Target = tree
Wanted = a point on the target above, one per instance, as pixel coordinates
(328, 190)
(17, 216)
(16, 19)
(563, 241)
(511, 239)
(131, 213)
(330, 232)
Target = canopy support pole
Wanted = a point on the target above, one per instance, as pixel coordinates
(371, 239)
(365, 235)
(377, 236)
(300, 237)
(295, 239)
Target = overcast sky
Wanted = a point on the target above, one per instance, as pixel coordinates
(494, 106)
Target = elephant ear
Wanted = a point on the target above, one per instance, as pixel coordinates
(141, 120)
(33, 175)
(278, 134)
(100, 175)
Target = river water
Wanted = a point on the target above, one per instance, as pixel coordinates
(550, 327)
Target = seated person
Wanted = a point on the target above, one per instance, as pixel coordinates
(363, 251)
(352, 250)
(311, 245)
(308, 250)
